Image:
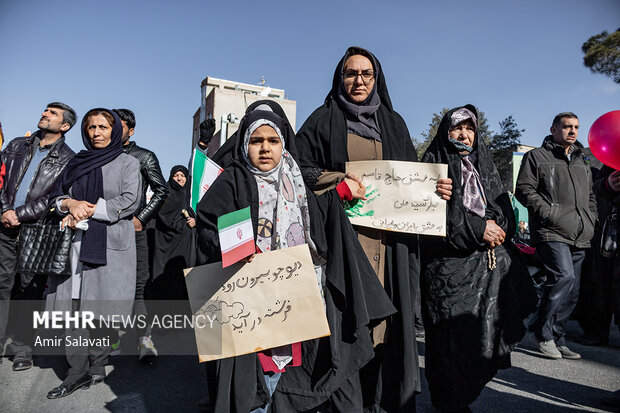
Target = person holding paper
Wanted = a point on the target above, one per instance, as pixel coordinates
(472, 301)
(264, 175)
(357, 123)
(100, 185)
(175, 239)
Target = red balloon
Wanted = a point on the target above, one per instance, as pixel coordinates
(604, 139)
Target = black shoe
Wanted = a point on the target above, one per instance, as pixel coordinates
(613, 400)
(22, 363)
(96, 379)
(82, 382)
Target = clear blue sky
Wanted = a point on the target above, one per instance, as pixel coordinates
(519, 57)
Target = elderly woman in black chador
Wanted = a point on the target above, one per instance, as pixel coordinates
(99, 186)
(175, 238)
(357, 123)
(472, 305)
(263, 174)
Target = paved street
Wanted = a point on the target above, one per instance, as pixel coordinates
(176, 384)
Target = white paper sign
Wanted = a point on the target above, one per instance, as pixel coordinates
(401, 196)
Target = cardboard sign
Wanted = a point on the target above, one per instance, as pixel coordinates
(272, 301)
(401, 196)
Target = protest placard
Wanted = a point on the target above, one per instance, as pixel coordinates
(272, 301)
(401, 196)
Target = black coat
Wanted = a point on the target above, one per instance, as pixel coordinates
(322, 143)
(151, 176)
(558, 195)
(175, 241)
(16, 158)
(472, 314)
(354, 297)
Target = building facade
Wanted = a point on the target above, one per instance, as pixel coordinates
(226, 102)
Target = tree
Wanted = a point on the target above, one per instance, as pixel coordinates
(502, 145)
(421, 145)
(602, 54)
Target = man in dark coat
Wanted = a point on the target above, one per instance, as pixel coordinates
(151, 176)
(555, 184)
(32, 165)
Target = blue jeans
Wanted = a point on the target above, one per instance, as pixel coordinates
(561, 291)
(272, 381)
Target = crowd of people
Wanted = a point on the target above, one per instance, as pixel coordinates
(474, 287)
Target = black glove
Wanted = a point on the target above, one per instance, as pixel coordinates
(207, 127)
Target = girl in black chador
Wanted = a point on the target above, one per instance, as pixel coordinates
(264, 175)
(474, 294)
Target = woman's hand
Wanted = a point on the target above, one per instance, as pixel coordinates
(613, 180)
(69, 221)
(358, 191)
(80, 210)
(191, 222)
(249, 258)
(493, 234)
(444, 188)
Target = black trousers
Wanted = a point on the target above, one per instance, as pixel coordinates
(87, 358)
(142, 273)
(8, 260)
(24, 300)
(561, 290)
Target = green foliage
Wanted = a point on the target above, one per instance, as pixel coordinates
(427, 136)
(602, 54)
(502, 145)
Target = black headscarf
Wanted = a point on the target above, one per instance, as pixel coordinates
(322, 139)
(178, 198)
(361, 117)
(465, 229)
(83, 175)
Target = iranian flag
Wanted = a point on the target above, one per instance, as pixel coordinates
(236, 236)
(204, 172)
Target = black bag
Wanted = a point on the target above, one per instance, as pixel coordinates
(44, 248)
(609, 240)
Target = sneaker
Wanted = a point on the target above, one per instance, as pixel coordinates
(146, 349)
(568, 353)
(116, 348)
(548, 349)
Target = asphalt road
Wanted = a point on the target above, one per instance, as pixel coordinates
(177, 383)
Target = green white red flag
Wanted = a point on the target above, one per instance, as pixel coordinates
(204, 172)
(236, 236)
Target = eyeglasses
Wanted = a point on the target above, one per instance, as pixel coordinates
(350, 76)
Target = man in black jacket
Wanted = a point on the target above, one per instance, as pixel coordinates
(151, 176)
(555, 184)
(32, 166)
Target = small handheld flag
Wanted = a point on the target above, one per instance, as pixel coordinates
(236, 236)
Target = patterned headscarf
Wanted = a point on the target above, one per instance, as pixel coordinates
(283, 217)
(284, 220)
(474, 198)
